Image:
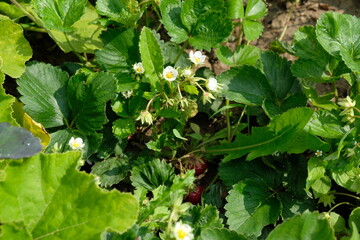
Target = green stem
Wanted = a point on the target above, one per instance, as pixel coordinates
(339, 204)
(348, 195)
(73, 49)
(32, 28)
(150, 101)
(28, 14)
(181, 52)
(241, 33)
(238, 123)
(336, 94)
(228, 125)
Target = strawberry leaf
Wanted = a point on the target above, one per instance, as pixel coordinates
(45, 203)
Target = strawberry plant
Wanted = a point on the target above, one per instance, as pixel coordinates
(129, 133)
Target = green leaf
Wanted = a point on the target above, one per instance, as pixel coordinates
(220, 234)
(317, 180)
(355, 233)
(87, 99)
(178, 135)
(245, 84)
(152, 174)
(252, 29)
(192, 10)
(120, 52)
(314, 62)
(255, 10)
(43, 90)
(235, 9)
(170, 52)
(201, 218)
(309, 225)
(16, 142)
(277, 71)
(211, 29)
(278, 135)
(54, 208)
(111, 171)
(59, 14)
(126, 12)
(15, 50)
(339, 34)
(123, 127)
(11, 10)
(348, 179)
(171, 18)
(355, 218)
(243, 55)
(325, 124)
(151, 57)
(84, 36)
(191, 89)
(251, 206)
(273, 108)
(6, 102)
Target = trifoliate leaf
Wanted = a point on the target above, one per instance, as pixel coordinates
(151, 56)
(126, 12)
(251, 206)
(309, 225)
(339, 34)
(16, 142)
(243, 55)
(84, 36)
(120, 52)
(123, 127)
(59, 14)
(152, 174)
(15, 50)
(59, 201)
(43, 90)
(88, 95)
(278, 135)
(111, 171)
(171, 18)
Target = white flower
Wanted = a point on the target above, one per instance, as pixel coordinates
(183, 231)
(145, 117)
(212, 84)
(197, 58)
(76, 143)
(127, 94)
(187, 73)
(318, 153)
(138, 67)
(170, 73)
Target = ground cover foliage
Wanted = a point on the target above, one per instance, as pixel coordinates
(137, 137)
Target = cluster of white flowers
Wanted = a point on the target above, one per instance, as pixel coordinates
(170, 74)
(348, 104)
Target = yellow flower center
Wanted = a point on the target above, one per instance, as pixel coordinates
(138, 69)
(76, 144)
(169, 75)
(181, 234)
(197, 60)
